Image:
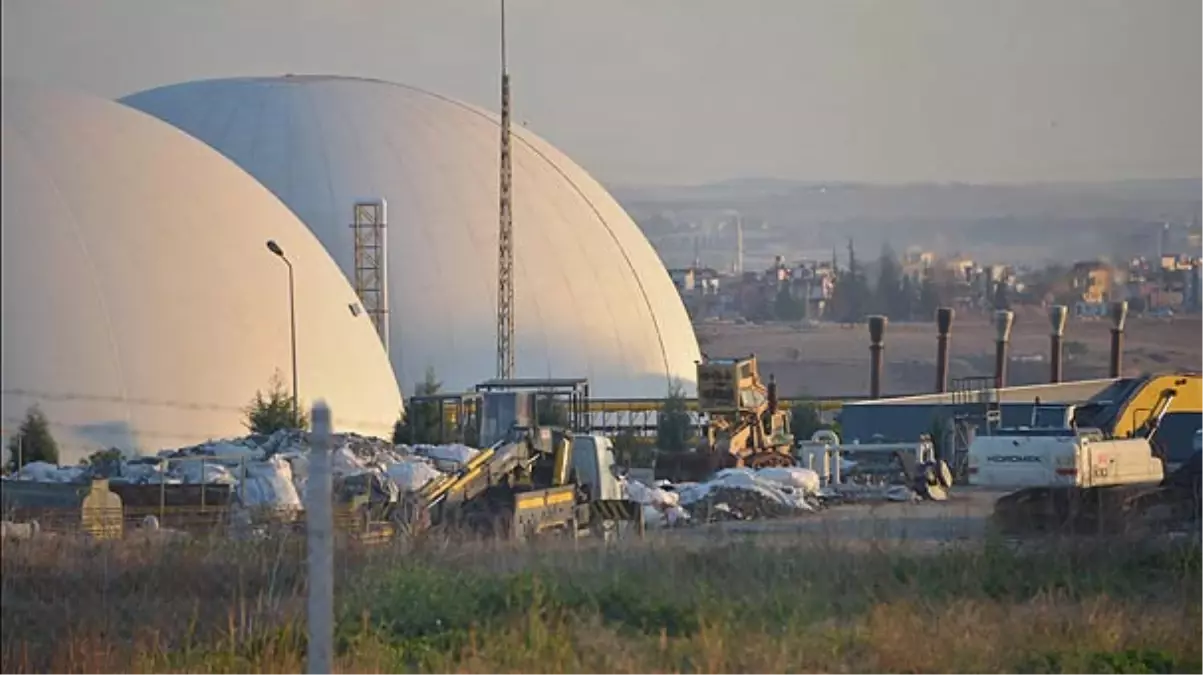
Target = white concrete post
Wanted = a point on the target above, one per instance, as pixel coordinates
(320, 530)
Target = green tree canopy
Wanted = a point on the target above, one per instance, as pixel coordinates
(32, 442)
(674, 427)
(423, 420)
(888, 295)
(804, 420)
(273, 411)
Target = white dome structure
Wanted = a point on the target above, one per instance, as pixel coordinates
(592, 297)
(141, 308)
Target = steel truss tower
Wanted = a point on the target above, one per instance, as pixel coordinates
(371, 263)
(505, 234)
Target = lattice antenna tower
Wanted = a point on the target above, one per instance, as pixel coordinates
(371, 263)
(505, 235)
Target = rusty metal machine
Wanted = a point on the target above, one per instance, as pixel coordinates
(744, 427)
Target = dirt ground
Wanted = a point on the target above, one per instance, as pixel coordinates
(833, 360)
(963, 517)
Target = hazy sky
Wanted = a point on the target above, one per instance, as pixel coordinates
(664, 91)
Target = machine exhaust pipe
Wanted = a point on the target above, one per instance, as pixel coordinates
(1056, 317)
(877, 330)
(1119, 314)
(1003, 319)
(773, 403)
(944, 317)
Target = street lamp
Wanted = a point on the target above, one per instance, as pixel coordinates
(292, 319)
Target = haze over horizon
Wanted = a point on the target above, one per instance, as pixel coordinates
(676, 93)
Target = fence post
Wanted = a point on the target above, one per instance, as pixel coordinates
(320, 535)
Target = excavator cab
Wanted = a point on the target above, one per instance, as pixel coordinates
(501, 412)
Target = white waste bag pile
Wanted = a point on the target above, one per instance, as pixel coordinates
(284, 457)
(269, 484)
(661, 508)
(412, 474)
(191, 472)
(446, 458)
(271, 470)
(45, 472)
(739, 494)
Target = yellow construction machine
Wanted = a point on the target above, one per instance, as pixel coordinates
(1125, 457)
(527, 479)
(744, 426)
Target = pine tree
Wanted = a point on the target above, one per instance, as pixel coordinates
(273, 412)
(33, 441)
(855, 294)
(423, 420)
(929, 297)
(889, 284)
(674, 426)
(805, 420)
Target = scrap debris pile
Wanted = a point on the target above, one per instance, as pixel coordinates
(272, 471)
(269, 471)
(733, 494)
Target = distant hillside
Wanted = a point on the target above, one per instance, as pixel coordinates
(1028, 221)
(1179, 198)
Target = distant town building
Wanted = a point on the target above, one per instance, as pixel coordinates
(1092, 281)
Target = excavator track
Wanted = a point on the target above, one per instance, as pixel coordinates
(1116, 509)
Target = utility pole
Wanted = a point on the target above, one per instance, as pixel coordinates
(505, 234)
(292, 324)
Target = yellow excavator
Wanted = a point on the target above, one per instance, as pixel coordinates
(744, 427)
(1125, 457)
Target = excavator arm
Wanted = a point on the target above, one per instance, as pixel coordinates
(1149, 426)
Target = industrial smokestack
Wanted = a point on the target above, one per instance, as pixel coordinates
(1002, 326)
(1056, 318)
(1119, 314)
(944, 316)
(877, 330)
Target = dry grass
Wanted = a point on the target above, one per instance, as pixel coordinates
(830, 360)
(664, 605)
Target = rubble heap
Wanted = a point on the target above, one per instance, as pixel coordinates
(733, 494)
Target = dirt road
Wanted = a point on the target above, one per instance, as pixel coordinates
(963, 517)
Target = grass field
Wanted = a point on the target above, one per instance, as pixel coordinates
(668, 604)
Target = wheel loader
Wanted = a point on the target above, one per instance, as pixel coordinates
(744, 427)
(1100, 466)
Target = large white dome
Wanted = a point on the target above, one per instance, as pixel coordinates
(141, 308)
(592, 297)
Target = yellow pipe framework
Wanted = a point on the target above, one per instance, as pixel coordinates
(654, 405)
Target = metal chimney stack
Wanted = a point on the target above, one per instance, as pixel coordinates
(944, 316)
(1003, 319)
(1056, 318)
(877, 330)
(1119, 314)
